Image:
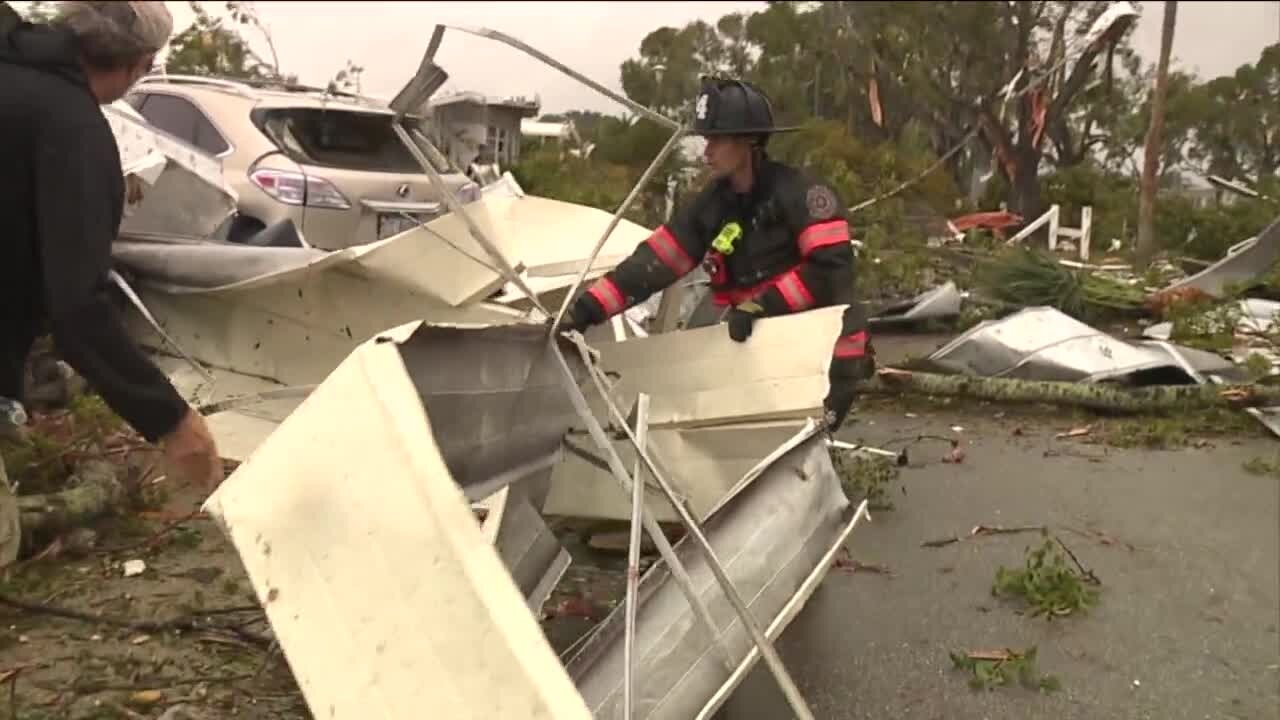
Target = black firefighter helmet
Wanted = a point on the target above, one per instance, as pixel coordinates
(733, 107)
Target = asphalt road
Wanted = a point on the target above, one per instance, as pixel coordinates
(1186, 625)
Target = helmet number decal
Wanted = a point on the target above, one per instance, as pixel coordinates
(820, 202)
(701, 109)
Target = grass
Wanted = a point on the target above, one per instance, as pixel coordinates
(1046, 584)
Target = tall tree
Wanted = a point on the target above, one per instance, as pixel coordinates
(1151, 149)
(1238, 131)
(213, 46)
(1022, 72)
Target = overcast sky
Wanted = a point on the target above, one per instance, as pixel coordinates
(314, 40)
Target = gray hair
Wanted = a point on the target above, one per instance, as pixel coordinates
(116, 34)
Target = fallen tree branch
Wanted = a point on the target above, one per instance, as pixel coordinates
(182, 623)
(980, 530)
(96, 493)
(1093, 396)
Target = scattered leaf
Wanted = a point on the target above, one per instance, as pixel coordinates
(134, 567)
(140, 640)
(146, 698)
(1075, 432)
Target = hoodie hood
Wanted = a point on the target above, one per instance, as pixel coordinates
(40, 47)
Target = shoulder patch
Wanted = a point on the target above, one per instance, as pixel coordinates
(820, 202)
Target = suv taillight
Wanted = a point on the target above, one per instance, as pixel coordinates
(297, 189)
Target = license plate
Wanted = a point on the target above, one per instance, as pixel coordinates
(390, 225)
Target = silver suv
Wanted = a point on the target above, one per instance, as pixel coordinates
(330, 163)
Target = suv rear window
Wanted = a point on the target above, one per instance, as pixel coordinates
(339, 139)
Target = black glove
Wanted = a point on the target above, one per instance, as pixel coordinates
(582, 314)
(741, 318)
(836, 406)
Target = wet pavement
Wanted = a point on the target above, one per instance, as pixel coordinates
(1185, 542)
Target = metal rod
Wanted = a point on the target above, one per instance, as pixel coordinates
(771, 657)
(633, 558)
(231, 403)
(155, 325)
(617, 216)
(678, 572)
(787, 614)
(519, 45)
(456, 207)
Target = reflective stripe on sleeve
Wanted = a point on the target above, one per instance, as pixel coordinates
(852, 346)
(822, 235)
(609, 297)
(664, 245)
(794, 292)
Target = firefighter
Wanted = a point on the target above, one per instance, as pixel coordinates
(773, 240)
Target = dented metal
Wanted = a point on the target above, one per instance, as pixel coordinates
(773, 534)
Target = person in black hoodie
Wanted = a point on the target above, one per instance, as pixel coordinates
(62, 194)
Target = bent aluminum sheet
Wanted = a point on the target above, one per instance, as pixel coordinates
(297, 330)
(776, 536)
(940, 302)
(136, 139)
(501, 392)
(179, 202)
(530, 550)
(1247, 263)
(383, 592)
(702, 377)
(708, 462)
(439, 259)
(1042, 343)
(188, 193)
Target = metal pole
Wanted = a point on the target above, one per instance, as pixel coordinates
(507, 39)
(617, 216)
(456, 207)
(678, 572)
(633, 558)
(771, 657)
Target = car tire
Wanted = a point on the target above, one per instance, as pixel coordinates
(243, 228)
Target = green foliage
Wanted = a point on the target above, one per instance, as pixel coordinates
(995, 669)
(212, 46)
(1024, 277)
(865, 476)
(1046, 584)
(551, 173)
(1262, 466)
(622, 151)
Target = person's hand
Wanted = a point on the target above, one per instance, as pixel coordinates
(580, 315)
(190, 454)
(742, 318)
(134, 192)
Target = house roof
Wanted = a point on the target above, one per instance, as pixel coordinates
(534, 128)
(530, 106)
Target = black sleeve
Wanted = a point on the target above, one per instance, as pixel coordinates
(826, 274)
(76, 224)
(670, 253)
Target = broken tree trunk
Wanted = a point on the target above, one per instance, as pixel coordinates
(10, 527)
(95, 491)
(1094, 396)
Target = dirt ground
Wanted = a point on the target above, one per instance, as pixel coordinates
(1185, 540)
